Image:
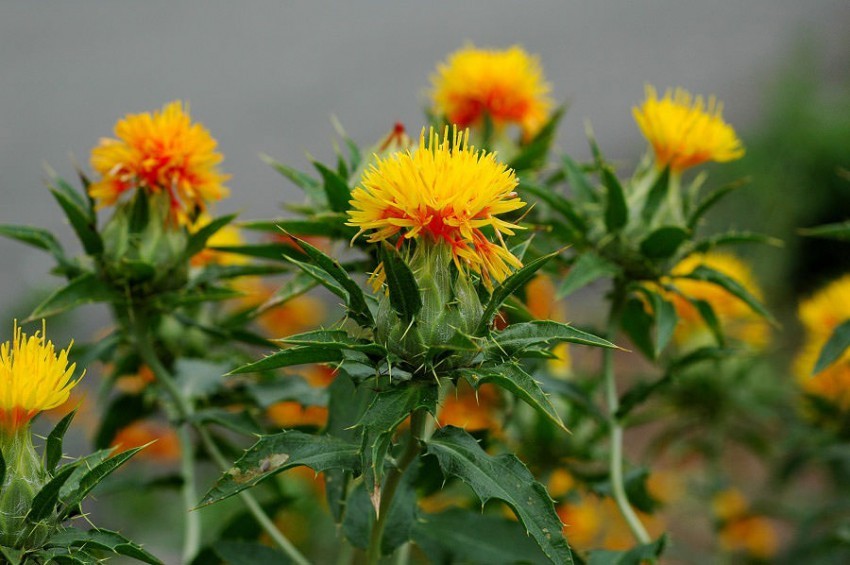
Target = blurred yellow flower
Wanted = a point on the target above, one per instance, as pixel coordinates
(685, 132)
(508, 85)
(442, 193)
(291, 414)
(583, 520)
(33, 377)
(754, 535)
(166, 446)
(728, 504)
(541, 300)
(162, 152)
(736, 318)
(470, 409)
(820, 314)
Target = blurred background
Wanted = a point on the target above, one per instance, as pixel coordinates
(266, 77)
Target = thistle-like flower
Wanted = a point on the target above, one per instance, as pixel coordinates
(685, 131)
(508, 85)
(162, 152)
(443, 193)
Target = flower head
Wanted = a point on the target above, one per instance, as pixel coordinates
(443, 192)
(820, 315)
(736, 318)
(163, 152)
(685, 132)
(507, 85)
(33, 378)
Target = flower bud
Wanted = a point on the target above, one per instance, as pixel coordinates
(25, 476)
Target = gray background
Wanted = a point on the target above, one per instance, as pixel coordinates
(266, 76)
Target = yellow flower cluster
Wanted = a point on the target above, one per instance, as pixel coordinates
(736, 318)
(506, 85)
(33, 378)
(684, 131)
(820, 315)
(162, 152)
(443, 192)
(741, 530)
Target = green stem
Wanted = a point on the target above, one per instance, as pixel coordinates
(615, 463)
(185, 411)
(192, 539)
(418, 419)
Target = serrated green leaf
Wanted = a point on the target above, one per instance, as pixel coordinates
(558, 203)
(508, 287)
(839, 231)
(325, 224)
(198, 240)
(353, 294)
(533, 154)
(707, 274)
(53, 446)
(734, 238)
(36, 237)
(311, 187)
(588, 268)
(713, 198)
(103, 540)
(288, 388)
(579, 182)
(656, 195)
(616, 210)
(834, 348)
(272, 251)
(334, 339)
(12, 555)
(80, 200)
(405, 297)
(336, 189)
(360, 516)
(81, 222)
(85, 289)
(506, 478)
(664, 319)
(514, 379)
(290, 357)
(516, 338)
(663, 242)
(72, 498)
(275, 453)
(44, 503)
(388, 409)
(463, 536)
(637, 324)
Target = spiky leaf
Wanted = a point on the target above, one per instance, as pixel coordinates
(275, 453)
(506, 478)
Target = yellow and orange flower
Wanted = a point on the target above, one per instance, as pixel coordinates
(820, 315)
(508, 85)
(291, 414)
(442, 193)
(33, 378)
(160, 152)
(685, 131)
(470, 409)
(736, 318)
(543, 304)
(741, 530)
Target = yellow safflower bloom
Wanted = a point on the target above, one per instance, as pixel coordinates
(508, 85)
(33, 378)
(736, 318)
(820, 315)
(442, 193)
(754, 535)
(684, 131)
(160, 152)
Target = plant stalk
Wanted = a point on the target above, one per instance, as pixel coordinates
(615, 462)
(185, 411)
(418, 418)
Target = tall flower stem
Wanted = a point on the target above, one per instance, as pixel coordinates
(615, 462)
(418, 419)
(185, 411)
